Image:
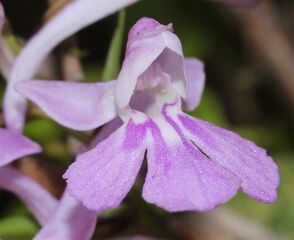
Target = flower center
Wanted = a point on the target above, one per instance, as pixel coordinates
(163, 82)
(154, 88)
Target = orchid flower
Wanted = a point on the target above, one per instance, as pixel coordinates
(70, 221)
(13, 146)
(40, 202)
(66, 219)
(75, 16)
(57, 218)
(192, 164)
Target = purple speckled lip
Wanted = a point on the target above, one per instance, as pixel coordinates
(102, 177)
(177, 179)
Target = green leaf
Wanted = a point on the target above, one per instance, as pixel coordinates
(211, 109)
(113, 57)
(17, 227)
(42, 130)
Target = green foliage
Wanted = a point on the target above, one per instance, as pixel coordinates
(2, 88)
(114, 53)
(93, 72)
(17, 228)
(211, 109)
(42, 130)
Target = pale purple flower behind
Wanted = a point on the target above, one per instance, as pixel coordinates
(192, 164)
(56, 217)
(13, 146)
(66, 219)
(38, 200)
(69, 221)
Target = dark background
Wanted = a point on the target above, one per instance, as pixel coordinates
(248, 54)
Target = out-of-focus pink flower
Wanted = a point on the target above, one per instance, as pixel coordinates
(67, 219)
(13, 146)
(37, 199)
(192, 164)
(70, 221)
(40, 202)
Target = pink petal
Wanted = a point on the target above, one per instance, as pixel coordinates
(102, 177)
(144, 27)
(180, 177)
(81, 106)
(71, 19)
(14, 145)
(195, 76)
(258, 172)
(142, 50)
(106, 131)
(6, 57)
(2, 16)
(71, 221)
(37, 199)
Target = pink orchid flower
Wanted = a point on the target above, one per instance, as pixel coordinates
(36, 198)
(14, 146)
(40, 202)
(66, 219)
(70, 221)
(57, 218)
(192, 164)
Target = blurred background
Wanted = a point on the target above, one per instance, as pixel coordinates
(249, 59)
